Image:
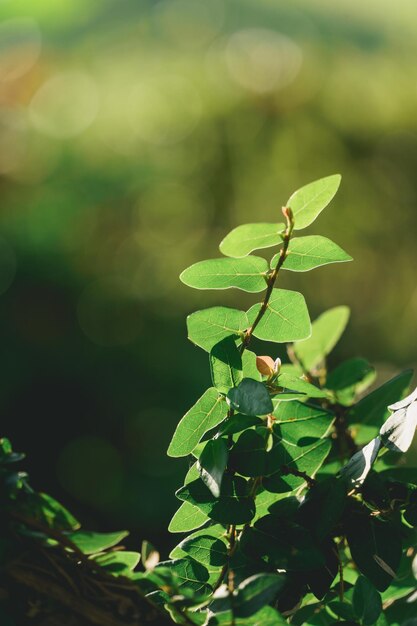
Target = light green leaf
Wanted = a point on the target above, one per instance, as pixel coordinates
(206, 413)
(248, 237)
(286, 317)
(188, 573)
(349, 379)
(187, 518)
(226, 365)
(366, 600)
(91, 542)
(306, 253)
(207, 547)
(300, 424)
(255, 592)
(249, 365)
(250, 397)
(209, 326)
(309, 201)
(294, 383)
(367, 416)
(119, 563)
(326, 332)
(212, 463)
(248, 274)
(267, 616)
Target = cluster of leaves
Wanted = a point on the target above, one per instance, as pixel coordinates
(298, 506)
(289, 521)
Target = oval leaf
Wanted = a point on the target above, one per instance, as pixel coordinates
(286, 317)
(209, 326)
(309, 201)
(307, 253)
(248, 237)
(247, 274)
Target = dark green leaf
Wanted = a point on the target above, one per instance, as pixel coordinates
(212, 463)
(367, 603)
(238, 422)
(375, 547)
(255, 592)
(234, 506)
(250, 397)
(226, 365)
(323, 506)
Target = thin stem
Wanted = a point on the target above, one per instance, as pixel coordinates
(271, 279)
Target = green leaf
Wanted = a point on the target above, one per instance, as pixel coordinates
(301, 424)
(234, 506)
(323, 506)
(248, 237)
(306, 253)
(188, 573)
(350, 379)
(248, 274)
(326, 332)
(238, 422)
(206, 549)
(226, 365)
(285, 319)
(366, 600)
(212, 463)
(367, 416)
(187, 518)
(250, 397)
(50, 512)
(209, 326)
(250, 369)
(375, 546)
(206, 413)
(294, 383)
(306, 459)
(255, 592)
(309, 201)
(249, 456)
(267, 616)
(119, 563)
(91, 542)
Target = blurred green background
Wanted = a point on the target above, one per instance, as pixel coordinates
(133, 136)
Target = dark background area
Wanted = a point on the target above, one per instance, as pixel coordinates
(133, 136)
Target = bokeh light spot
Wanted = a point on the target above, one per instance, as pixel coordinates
(65, 105)
(20, 47)
(262, 60)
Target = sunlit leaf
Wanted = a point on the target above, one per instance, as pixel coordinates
(309, 201)
(248, 237)
(188, 517)
(286, 317)
(91, 542)
(209, 326)
(248, 274)
(326, 332)
(307, 253)
(349, 379)
(207, 412)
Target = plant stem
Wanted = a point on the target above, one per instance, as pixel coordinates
(271, 279)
